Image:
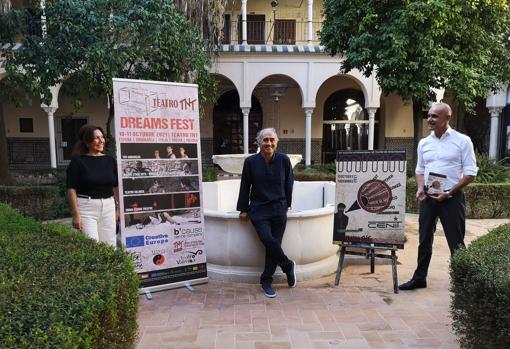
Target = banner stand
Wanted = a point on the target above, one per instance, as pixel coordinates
(157, 134)
(369, 253)
(147, 291)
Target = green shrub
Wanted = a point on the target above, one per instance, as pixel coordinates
(480, 289)
(330, 167)
(209, 174)
(482, 200)
(314, 173)
(491, 171)
(42, 202)
(59, 289)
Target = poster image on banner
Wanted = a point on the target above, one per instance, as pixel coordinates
(370, 198)
(157, 136)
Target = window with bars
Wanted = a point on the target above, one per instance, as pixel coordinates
(284, 32)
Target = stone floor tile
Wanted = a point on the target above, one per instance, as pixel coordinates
(373, 339)
(273, 345)
(315, 326)
(234, 328)
(171, 345)
(279, 332)
(260, 324)
(244, 345)
(392, 339)
(422, 343)
(362, 312)
(350, 331)
(253, 336)
(352, 343)
(308, 316)
(320, 345)
(226, 340)
(325, 335)
(299, 339)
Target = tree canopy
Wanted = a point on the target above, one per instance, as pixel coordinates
(95, 41)
(414, 46)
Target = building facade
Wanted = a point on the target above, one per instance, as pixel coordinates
(271, 72)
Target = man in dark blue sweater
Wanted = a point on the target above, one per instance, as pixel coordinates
(265, 196)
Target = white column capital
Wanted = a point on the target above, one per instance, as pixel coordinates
(245, 110)
(48, 109)
(371, 111)
(495, 111)
(308, 111)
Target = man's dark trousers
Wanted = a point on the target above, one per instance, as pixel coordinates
(270, 227)
(452, 214)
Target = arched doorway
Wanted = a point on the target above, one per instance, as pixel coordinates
(228, 124)
(345, 123)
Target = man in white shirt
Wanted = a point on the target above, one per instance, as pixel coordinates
(449, 155)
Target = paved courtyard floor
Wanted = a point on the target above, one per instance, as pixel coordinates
(362, 312)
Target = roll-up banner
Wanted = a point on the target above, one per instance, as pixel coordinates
(370, 198)
(157, 135)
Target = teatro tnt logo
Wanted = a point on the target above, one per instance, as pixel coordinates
(138, 101)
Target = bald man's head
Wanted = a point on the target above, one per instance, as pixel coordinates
(445, 107)
(438, 118)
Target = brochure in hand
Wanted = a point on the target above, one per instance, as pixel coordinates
(435, 183)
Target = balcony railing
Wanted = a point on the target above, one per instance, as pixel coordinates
(279, 32)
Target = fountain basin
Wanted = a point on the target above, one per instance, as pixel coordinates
(233, 163)
(234, 251)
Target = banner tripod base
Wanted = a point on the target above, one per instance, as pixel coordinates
(369, 253)
(189, 287)
(188, 284)
(148, 294)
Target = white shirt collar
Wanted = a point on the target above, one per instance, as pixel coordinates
(448, 131)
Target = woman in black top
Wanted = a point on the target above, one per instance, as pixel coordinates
(92, 187)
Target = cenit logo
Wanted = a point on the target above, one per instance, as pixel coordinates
(135, 241)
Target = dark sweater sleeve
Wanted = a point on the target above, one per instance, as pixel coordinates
(289, 182)
(244, 191)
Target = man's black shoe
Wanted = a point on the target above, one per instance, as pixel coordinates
(268, 290)
(412, 284)
(291, 275)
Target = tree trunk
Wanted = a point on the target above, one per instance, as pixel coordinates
(417, 127)
(5, 173)
(110, 144)
(460, 118)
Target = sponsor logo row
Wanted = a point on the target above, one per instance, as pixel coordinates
(163, 238)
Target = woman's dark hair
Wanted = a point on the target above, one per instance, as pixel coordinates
(85, 137)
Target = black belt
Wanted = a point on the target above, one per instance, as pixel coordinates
(90, 197)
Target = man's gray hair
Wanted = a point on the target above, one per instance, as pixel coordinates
(261, 133)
